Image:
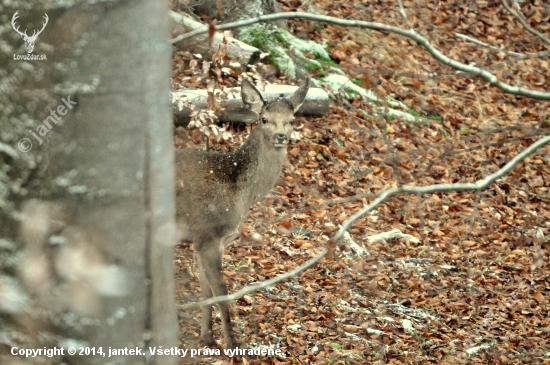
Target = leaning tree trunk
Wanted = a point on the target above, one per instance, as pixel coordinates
(232, 10)
(292, 56)
(86, 183)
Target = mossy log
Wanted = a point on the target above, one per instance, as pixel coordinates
(237, 51)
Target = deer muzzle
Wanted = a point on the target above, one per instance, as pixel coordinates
(281, 140)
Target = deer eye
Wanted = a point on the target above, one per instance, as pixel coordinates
(264, 121)
(293, 121)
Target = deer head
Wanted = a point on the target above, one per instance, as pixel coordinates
(275, 118)
(29, 41)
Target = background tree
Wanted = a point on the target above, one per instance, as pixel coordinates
(87, 214)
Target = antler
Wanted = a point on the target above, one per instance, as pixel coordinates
(15, 16)
(35, 34)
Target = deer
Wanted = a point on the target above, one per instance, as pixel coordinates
(215, 191)
(29, 41)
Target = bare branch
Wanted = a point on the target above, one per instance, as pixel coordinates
(473, 40)
(485, 145)
(480, 185)
(484, 74)
(539, 55)
(403, 14)
(256, 287)
(325, 203)
(523, 22)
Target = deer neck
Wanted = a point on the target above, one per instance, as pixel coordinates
(264, 163)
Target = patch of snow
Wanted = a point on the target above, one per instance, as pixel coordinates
(475, 350)
(342, 82)
(305, 46)
(294, 327)
(407, 325)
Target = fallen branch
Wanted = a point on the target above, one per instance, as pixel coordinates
(480, 185)
(237, 51)
(359, 251)
(522, 21)
(326, 203)
(256, 287)
(484, 74)
(480, 43)
(404, 14)
(315, 105)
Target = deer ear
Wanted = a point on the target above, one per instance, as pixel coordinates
(251, 97)
(297, 99)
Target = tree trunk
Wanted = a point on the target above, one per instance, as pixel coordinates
(102, 180)
(232, 10)
(315, 105)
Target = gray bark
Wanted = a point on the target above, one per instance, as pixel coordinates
(104, 171)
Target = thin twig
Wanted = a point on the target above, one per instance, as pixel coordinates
(484, 74)
(404, 15)
(453, 152)
(523, 22)
(256, 287)
(540, 55)
(473, 40)
(480, 185)
(325, 204)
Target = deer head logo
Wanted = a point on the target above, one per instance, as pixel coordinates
(29, 41)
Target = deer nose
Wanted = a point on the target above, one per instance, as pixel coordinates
(281, 138)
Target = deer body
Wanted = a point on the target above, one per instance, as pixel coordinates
(214, 192)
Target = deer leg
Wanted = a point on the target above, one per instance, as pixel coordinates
(211, 265)
(206, 325)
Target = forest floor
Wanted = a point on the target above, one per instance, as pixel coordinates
(475, 287)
